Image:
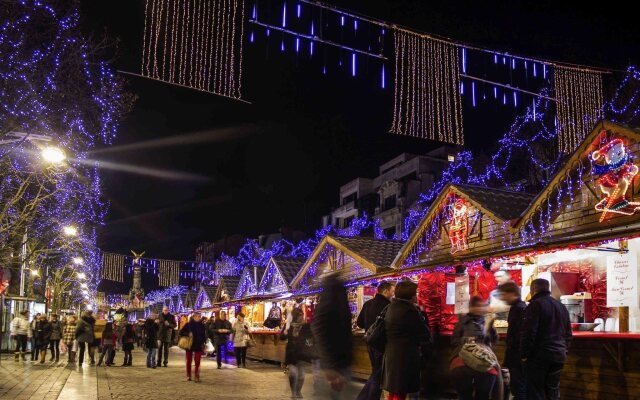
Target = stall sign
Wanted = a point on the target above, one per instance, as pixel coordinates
(622, 281)
(462, 295)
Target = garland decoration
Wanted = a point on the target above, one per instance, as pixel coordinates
(112, 267)
(169, 273)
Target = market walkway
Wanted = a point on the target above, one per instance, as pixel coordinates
(29, 381)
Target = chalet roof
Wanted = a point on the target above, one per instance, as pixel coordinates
(379, 252)
(289, 267)
(504, 204)
(230, 283)
(211, 292)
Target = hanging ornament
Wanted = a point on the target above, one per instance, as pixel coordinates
(579, 104)
(112, 267)
(427, 101)
(195, 43)
(616, 169)
(169, 273)
(458, 230)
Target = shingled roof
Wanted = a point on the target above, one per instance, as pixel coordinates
(230, 283)
(289, 267)
(377, 251)
(504, 204)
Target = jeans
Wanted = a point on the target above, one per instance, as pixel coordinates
(296, 377)
(54, 345)
(195, 355)
(371, 389)
(163, 349)
(241, 356)
(466, 379)
(107, 349)
(518, 385)
(91, 351)
(543, 379)
(151, 358)
(221, 347)
(21, 343)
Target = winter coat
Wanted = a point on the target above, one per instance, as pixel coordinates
(331, 326)
(370, 311)
(471, 326)
(299, 344)
(512, 354)
(84, 330)
(546, 330)
(407, 334)
(128, 337)
(166, 326)
(151, 334)
(20, 326)
(197, 330)
(69, 334)
(218, 337)
(56, 330)
(42, 333)
(240, 332)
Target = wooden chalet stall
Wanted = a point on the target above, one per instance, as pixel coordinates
(270, 299)
(206, 299)
(247, 295)
(359, 258)
(580, 233)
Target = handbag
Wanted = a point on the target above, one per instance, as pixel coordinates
(250, 342)
(375, 336)
(208, 347)
(185, 342)
(478, 357)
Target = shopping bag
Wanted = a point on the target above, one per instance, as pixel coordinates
(75, 346)
(208, 348)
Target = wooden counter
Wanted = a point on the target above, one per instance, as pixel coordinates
(268, 347)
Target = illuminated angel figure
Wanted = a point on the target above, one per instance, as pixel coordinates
(458, 229)
(137, 257)
(616, 169)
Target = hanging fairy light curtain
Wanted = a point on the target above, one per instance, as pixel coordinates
(195, 43)
(169, 273)
(426, 93)
(112, 267)
(579, 101)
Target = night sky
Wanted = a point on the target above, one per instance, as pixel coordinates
(280, 161)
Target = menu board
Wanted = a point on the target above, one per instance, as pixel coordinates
(622, 281)
(461, 305)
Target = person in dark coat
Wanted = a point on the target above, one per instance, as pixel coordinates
(331, 329)
(370, 311)
(473, 328)
(150, 333)
(43, 335)
(407, 334)
(210, 330)
(56, 335)
(544, 342)
(221, 330)
(167, 323)
(509, 293)
(85, 336)
(128, 339)
(298, 352)
(196, 329)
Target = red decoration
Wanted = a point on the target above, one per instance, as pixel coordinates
(458, 230)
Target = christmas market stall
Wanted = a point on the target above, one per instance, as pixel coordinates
(361, 260)
(580, 232)
(206, 299)
(247, 295)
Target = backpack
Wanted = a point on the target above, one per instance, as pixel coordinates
(479, 357)
(376, 336)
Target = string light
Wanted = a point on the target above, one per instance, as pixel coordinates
(579, 104)
(196, 43)
(427, 102)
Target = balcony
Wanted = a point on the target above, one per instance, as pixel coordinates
(345, 210)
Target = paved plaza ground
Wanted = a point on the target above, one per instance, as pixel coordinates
(27, 380)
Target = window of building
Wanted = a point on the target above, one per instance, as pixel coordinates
(352, 197)
(389, 232)
(347, 221)
(389, 202)
(451, 158)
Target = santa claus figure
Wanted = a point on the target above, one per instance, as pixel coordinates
(459, 226)
(616, 170)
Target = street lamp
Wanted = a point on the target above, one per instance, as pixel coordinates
(82, 275)
(70, 230)
(53, 155)
(77, 260)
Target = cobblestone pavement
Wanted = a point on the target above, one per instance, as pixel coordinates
(27, 380)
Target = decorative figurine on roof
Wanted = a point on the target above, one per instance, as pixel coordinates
(616, 169)
(458, 230)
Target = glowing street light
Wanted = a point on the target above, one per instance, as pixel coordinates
(53, 155)
(34, 272)
(85, 292)
(82, 275)
(84, 286)
(70, 230)
(78, 260)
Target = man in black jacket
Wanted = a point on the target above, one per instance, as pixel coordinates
(331, 329)
(221, 329)
(510, 293)
(370, 311)
(544, 342)
(167, 323)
